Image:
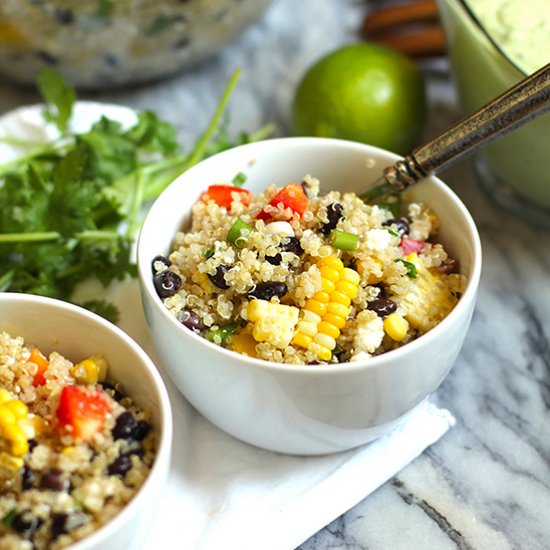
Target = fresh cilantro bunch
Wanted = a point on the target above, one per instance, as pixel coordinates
(69, 210)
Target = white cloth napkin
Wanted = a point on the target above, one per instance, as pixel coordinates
(222, 493)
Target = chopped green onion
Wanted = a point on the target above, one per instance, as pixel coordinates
(221, 334)
(238, 233)
(392, 232)
(239, 179)
(7, 520)
(343, 240)
(208, 253)
(412, 272)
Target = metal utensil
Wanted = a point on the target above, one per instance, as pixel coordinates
(510, 110)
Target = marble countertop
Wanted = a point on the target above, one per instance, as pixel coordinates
(486, 483)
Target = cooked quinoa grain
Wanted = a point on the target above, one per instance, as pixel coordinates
(74, 450)
(293, 275)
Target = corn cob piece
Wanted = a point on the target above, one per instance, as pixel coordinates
(272, 322)
(426, 298)
(325, 314)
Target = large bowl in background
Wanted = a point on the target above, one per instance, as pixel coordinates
(105, 43)
(515, 170)
(52, 325)
(309, 409)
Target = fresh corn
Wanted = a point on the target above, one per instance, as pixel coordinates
(272, 323)
(10, 462)
(91, 370)
(426, 299)
(326, 312)
(12, 412)
(243, 342)
(396, 327)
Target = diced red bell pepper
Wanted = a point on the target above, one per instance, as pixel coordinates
(82, 412)
(222, 195)
(42, 363)
(292, 196)
(409, 245)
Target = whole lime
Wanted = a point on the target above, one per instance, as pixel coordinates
(362, 92)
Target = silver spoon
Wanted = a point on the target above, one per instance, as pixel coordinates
(510, 110)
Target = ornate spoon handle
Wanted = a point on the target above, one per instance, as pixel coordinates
(521, 103)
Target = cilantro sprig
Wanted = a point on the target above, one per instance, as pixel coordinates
(70, 209)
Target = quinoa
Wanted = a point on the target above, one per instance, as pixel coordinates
(294, 275)
(73, 453)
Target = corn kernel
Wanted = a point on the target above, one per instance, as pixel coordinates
(322, 296)
(273, 323)
(86, 372)
(330, 273)
(336, 320)
(340, 298)
(18, 408)
(18, 441)
(320, 351)
(338, 309)
(325, 340)
(103, 365)
(302, 340)
(349, 289)
(316, 307)
(350, 275)
(327, 286)
(11, 463)
(328, 329)
(7, 418)
(5, 396)
(396, 327)
(413, 259)
(28, 427)
(243, 343)
(311, 316)
(332, 262)
(307, 327)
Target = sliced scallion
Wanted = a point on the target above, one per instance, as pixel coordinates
(239, 179)
(343, 240)
(238, 233)
(221, 334)
(412, 272)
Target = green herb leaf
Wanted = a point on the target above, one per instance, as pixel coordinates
(412, 272)
(59, 97)
(103, 308)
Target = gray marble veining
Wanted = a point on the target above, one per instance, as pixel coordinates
(486, 484)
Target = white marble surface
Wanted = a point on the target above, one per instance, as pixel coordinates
(486, 484)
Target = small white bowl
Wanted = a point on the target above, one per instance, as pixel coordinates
(53, 325)
(310, 409)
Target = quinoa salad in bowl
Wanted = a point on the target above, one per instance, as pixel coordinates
(292, 275)
(74, 449)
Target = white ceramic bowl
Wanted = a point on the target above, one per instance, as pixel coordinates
(304, 409)
(74, 332)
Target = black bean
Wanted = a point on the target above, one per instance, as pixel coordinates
(274, 260)
(53, 479)
(293, 245)
(124, 426)
(63, 522)
(218, 277)
(64, 16)
(191, 320)
(160, 263)
(167, 283)
(28, 477)
(334, 214)
(382, 306)
(25, 523)
(32, 444)
(141, 430)
(401, 225)
(120, 466)
(266, 290)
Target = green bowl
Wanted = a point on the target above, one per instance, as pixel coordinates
(515, 169)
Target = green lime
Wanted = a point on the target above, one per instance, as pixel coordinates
(362, 92)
